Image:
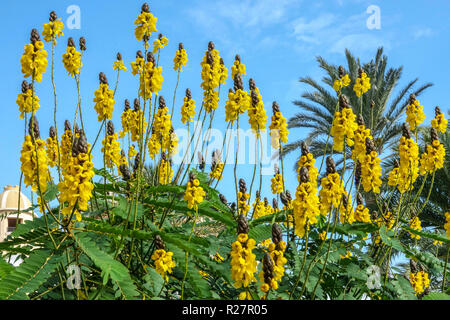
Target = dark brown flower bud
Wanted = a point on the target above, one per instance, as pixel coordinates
(210, 46)
(110, 128)
(304, 175)
(209, 58)
(275, 107)
(242, 225)
(277, 234)
(412, 98)
(331, 166)
(437, 111)
(360, 71)
(251, 84)
(145, 8)
(369, 145)
(161, 102)
(163, 156)
(34, 36)
(343, 102)
(372, 104)
(344, 200)
(137, 162)
(360, 120)
(359, 199)
(233, 206)
(145, 38)
(192, 176)
(254, 97)
(119, 56)
(82, 44)
(288, 195)
(358, 173)
(305, 148)
(102, 78)
(258, 194)
(221, 61)
(70, 42)
(52, 132)
(237, 58)
(33, 128)
(283, 198)
(125, 172)
(434, 135)
(242, 186)
(396, 163)
(180, 46)
(275, 203)
(159, 243)
(341, 71)
(126, 105)
(223, 199)
(413, 266)
(25, 86)
(79, 145)
(238, 84)
(151, 58)
(201, 161)
(266, 201)
(136, 104)
(139, 54)
(405, 131)
(188, 94)
(67, 126)
(268, 269)
(122, 153)
(374, 215)
(53, 16)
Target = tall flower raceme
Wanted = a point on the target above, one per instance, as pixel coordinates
(307, 160)
(34, 59)
(72, 58)
(111, 147)
(163, 261)
(151, 78)
(188, 108)
(238, 101)
(415, 224)
(126, 119)
(118, 64)
(137, 67)
(414, 113)
(66, 144)
(447, 224)
(439, 122)
(408, 170)
(104, 99)
(223, 72)
(419, 281)
(371, 169)
(211, 75)
(217, 165)
(332, 188)
(33, 159)
(347, 214)
(76, 188)
(27, 101)
(242, 197)
(53, 29)
(243, 260)
(137, 122)
(343, 81)
(306, 204)
(362, 213)
(433, 158)
(344, 125)
(161, 127)
(257, 117)
(145, 23)
(361, 134)
(165, 170)
(259, 207)
(52, 147)
(278, 127)
(160, 43)
(194, 193)
(362, 84)
(180, 60)
(277, 184)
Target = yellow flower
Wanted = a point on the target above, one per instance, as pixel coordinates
(118, 64)
(163, 263)
(218, 257)
(305, 205)
(408, 170)
(257, 117)
(323, 235)
(66, 145)
(104, 102)
(331, 192)
(243, 261)
(210, 100)
(137, 67)
(53, 30)
(34, 59)
(347, 214)
(245, 295)
(52, 148)
(433, 158)
(216, 172)
(414, 113)
(72, 59)
(237, 67)
(34, 165)
(347, 255)
(159, 43)
(419, 281)
(340, 83)
(180, 60)
(211, 68)
(188, 108)
(111, 148)
(278, 127)
(27, 101)
(307, 160)
(151, 80)
(277, 184)
(146, 24)
(165, 172)
(238, 102)
(194, 194)
(415, 224)
(243, 207)
(447, 224)
(371, 172)
(361, 134)
(362, 84)
(344, 126)
(362, 214)
(439, 122)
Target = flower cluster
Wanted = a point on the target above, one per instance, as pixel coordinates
(415, 224)
(276, 253)
(72, 59)
(344, 125)
(277, 184)
(27, 100)
(347, 214)
(414, 113)
(165, 171)
(371, 169)
(118, 64)
(343, 81)
(52, 147)
(419, 281)
(53, 29)
(217, 166)
(188, 108)
(362, 84)
(361, 135)
(34, 59)
(434, 156)
(111, 147)
(146, 24)
(257, 117)
(104, 99)
(278, 127)
(307, 160)
(150, 79)
(194, 193)
(137, 67)
(211, 75)
(362, 213)
(447, 224)
(238, 102)
(159, 43)
(332, 188)
(180, 59)
(439, 122)
(162, 259)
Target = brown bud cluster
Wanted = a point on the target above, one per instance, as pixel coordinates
(242, 225)
(70, 42)
(52, 132)
(126, 105)
(82, 44)
(238, 84)
(304, 175)
(102, 78)
(110, 128)
(53, 16)
(275, 107)
(188, 94)
(331, 165)
(136, 105)
(33, 128)
(159, 243)
(405, 131)
(67, 126)
(34, 36)
(242, 186)
(343, 102)
(79, 145)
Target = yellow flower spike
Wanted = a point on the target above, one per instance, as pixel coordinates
(118, 64)
(53, 29)
(362, 214)
(180, 60)
(278, 127)
(307, 160)
(104, 99)
(343, 81)
(52, 148)
(439, 122)
(27, 100)
(415, 224)
(257, 117)
(347, 214)
(332, 188)
(277, 184)
(447, 224)
(151, 79)
(137, 67)
(159, 43)
(419, 281)
(360, 135)
(188, 108)
(111, 147)
(371, 169)
(408, 170)
(165, 171)
(344, 125)
(433, 158)
(414, 113)
(362, 84)
(194, 193)
(34, 59)
(163, 261)
(145, 23)
(72, 59)
(216, 166)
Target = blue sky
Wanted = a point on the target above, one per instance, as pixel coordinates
(277, 40)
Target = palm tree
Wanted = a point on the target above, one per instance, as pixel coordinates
(380, 112)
